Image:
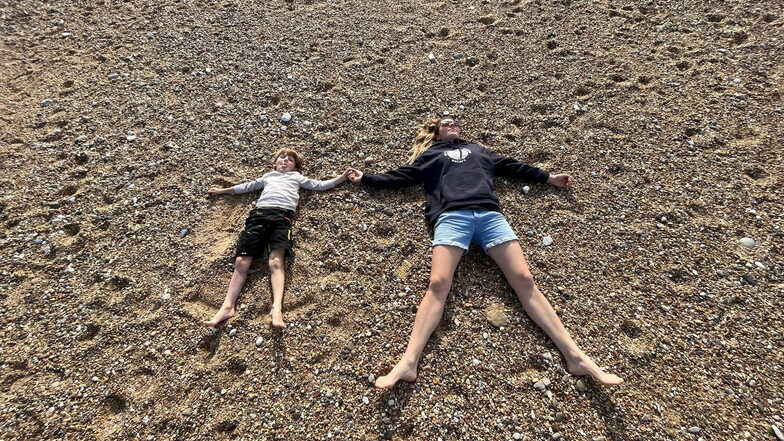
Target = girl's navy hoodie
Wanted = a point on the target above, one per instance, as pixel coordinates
(456, 175)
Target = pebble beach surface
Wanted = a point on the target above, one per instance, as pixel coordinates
(664, 259)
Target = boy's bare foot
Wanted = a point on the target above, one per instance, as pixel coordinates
(582, 365)
(403, 370)
(277, 319)
(224, 313)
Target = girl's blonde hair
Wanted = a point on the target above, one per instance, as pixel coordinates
(424, 139)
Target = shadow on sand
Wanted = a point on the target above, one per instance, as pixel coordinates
(608, 411)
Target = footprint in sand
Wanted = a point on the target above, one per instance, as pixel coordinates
(200, 309)
(582, 93)
(68, 190)
(683, 65)
(756, 173)
(487, 20)
(631, 329)
(90, 331)
(227, 426)
(236, 366)
(539, 156)
(119, 282)
(72, 229)
(209, 343)
(114, 404)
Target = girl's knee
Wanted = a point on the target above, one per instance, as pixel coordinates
(440, 286)
(526, 288)
(524, 280)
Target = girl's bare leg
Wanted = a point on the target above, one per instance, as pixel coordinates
(277, 264)
(509, 257)
(445, 260)
(228, 309)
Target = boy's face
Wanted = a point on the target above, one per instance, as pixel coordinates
(284, 163)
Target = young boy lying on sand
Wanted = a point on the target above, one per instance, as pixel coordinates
(267, 230)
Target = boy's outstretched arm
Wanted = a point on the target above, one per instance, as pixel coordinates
(218, 191)
(314, 184)
(344, 176)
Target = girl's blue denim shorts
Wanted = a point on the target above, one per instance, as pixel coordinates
(460, 228)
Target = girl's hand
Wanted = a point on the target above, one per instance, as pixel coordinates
(215, 191)
(354, 175)
(560, 181)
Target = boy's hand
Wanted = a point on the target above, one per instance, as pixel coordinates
(215, 191)
(354, 175)
(560, 181)
(345, 175)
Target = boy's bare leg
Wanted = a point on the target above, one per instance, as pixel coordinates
(509, 257)
(445, 260)
(277, 261)
(228, 309)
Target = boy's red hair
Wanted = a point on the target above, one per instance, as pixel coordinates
(294, 155)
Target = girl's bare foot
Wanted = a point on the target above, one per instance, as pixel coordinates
(403, 370)
(582, 365)
(277, 319)
(225, 312)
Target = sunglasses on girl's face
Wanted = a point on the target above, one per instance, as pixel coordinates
(449, 123)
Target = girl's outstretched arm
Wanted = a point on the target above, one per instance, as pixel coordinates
(354, 175)
(404, 176)
(560, 180)
(505, 166)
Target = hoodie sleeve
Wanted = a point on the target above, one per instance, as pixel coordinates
(512, 168)
(404, 176)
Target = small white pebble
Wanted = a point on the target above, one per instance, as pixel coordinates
(748, 242)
